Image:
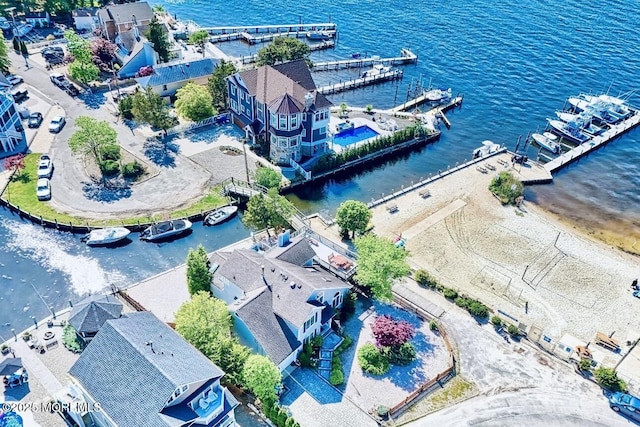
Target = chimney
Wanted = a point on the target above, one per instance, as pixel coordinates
(308, 101)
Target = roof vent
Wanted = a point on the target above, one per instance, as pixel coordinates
(293, 285)
(299, 286)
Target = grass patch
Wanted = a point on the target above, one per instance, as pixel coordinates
(21, 192)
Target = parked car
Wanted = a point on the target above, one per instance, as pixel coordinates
(625, 404)
(20, 95)
(35, 120)
(14, 80)
(43, 189)
(45, 167)
(71, 89)
(57, 123)
(58, 79)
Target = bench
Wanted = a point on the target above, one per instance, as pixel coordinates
(607, 342)
(51, 345)
(392, 208)
(424, 193)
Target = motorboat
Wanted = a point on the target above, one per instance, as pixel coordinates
(319, 35)
(548, 141)
(376, 70)
(592, 99)
(164, 229)
(583, 121)
(488, 147)
(220, 215)
(569, 131)
(601, 112)
(22, 30)
(437, 95)
(106, 236)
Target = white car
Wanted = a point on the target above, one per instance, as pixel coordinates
(45, 167)
(43, 189)
(57, 124)
(14, 80)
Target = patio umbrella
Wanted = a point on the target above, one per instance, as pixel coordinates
(10, 366)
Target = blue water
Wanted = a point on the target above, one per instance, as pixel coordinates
(351, 136)
(10, 419)
(515, 62)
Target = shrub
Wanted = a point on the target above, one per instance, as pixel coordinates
(433, 325)
(372, 360)
(478, 309)
(390, 332)
(132, 169)
(462, 302)
(344, 345)
(348, 306)
(402, 355)
(336, 377)
(585, 364)
(496, 321)
(125, 106)
(316, 341)
(608, 379)
(109, 167)
(110, 152)
(506, 187)
(450, 293)
(71, 340)
(304, 359)
(423, 278)
(282, 417)
(513, 330)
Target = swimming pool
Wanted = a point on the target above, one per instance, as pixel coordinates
(351, 136)
(10, 419)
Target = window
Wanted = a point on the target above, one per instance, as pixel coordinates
(320, 297)
(234, 105)
(273, 121)
(282, 122)
(294, 121)
(322, 130)
(164, 87)
(337, 299)
(233, 90)
(241, 96)
(293, 142)
(309, 322)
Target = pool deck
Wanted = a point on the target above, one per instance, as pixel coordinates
(360, 119)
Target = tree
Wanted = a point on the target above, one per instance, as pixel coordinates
(283, 49)
(218, 83)
(608, 379)
(390, 332)
(158, 36)
(267, 211)
(16, 45)
(78, 47)
(507, 187)
(262, 377)
(379, 263)
(5, 62)
(84, 72)
(16, 164)
(198, 275)
(194, 102)
(23, 48)
(199, 38)
(353, 216)
(103, 53)
(148, 107)
(232, 361)
(269, 178)
(92, 137)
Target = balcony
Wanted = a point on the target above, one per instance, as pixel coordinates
(210, 405)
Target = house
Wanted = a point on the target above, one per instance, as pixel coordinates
(133, 52)
(167, 79)
(38, 19)
(138, 372)
(279, 105)
(278, 300)
(11, 129)
(86, 18)
(116, 19)
(88, 316)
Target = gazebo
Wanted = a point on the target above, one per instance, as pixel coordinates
(88, 316)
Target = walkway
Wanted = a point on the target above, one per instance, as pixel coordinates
(36, 368)
(433, 219)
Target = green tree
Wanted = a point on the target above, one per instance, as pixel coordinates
(269, 178)
(353, 216)
(608, 379)
(158, 36)
(5, 62)
(199, 38)
(92, 137)
(148, 107)
(198, 275)
(262, 377)
(78, 47)
(232, 361)
(83, 72)
(380, 262)
(194, 102)
(507, 187)
(283, 49)
(266, 211)
(23, 48)
(218, 83)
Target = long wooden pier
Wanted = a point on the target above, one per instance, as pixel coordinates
(262, 29)
(327, 44)
(594, 143)
(360, 82)
(261, 37)
(406, 57)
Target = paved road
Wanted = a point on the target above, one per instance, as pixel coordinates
(178, 183)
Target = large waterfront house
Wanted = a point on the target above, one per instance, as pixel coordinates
(138, 372)
(116, 19)
(168, 78)
(278, 300)
(11, 129)
(279, 106)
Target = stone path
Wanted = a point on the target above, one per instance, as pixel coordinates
(35, 367)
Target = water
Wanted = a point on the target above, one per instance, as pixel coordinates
(351, 136)
(515, 63)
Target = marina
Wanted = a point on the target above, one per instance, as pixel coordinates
(265, 29)
(406, 57)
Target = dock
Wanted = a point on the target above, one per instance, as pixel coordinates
(360, 82)
(406, 57)
(327, 44)
(594, 143)
(422, 99)
(260, 37)
(264, 29)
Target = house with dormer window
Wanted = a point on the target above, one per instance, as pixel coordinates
(138, 372)
(279, 106)
(278, 300)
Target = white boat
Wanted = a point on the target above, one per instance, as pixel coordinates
(547, 141)
(603, 98)
(376, 70)
(488, 147)
(319, 35)
(165, 229)
(437, 96)
(600, 111)
(22, 30)
(582, 120)
(105, 236)
(220, 215)
(569, 131)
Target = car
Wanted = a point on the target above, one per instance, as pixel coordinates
(52, 51)
(35, 120)
(58, 79)
(20, 95)
(43, 189)
(45, 167)
(625, 404)
(14, 80)
(57, 123)
(72, 90)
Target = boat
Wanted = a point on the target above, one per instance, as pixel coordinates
(547, 141)
(583, 121)
(601, 112)
(376, 70)
(165, 229)
(22, 30)
(356, 55)
(220, 215)
(488, 147)
(569, 131)
(437, 95)
(106, 236)
(319, 35)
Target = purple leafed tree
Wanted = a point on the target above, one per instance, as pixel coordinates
(15, 163)
(103, 53)
(390, 332)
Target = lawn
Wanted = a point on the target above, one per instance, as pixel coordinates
(21, 192)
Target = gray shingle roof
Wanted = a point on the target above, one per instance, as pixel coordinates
(124, 12)
(90, 314)
(298, 252)
(243, 267)
(179, 72)
(133, 380)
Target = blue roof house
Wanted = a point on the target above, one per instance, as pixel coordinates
(167, 79)
(138, 372)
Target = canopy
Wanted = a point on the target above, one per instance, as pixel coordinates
(10, 366)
